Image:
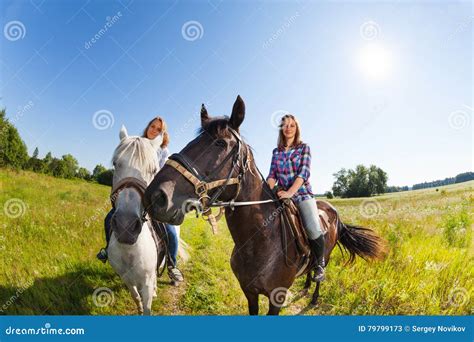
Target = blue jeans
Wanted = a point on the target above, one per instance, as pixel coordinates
(310, 217)
(171, 241)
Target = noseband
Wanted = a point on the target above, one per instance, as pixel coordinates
(201, 184)
(128, 182)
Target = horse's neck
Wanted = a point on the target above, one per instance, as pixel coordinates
(245, 221)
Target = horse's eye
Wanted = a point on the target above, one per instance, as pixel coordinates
(221, 143)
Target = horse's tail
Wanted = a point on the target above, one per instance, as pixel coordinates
(360, 241)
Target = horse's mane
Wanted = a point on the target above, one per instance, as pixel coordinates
(142, 154)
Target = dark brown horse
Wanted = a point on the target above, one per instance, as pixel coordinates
(265, 258)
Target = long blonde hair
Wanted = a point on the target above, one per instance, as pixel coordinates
(164, 131)
(281, 138)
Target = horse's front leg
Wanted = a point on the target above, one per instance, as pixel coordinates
(136, 298)
(314, 300)
(146, 293)
(252, 299)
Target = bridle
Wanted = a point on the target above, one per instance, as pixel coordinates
(202, 186)
(129, 182)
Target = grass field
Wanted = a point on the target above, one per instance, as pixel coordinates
(52, 228)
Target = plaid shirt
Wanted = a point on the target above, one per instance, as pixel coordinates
(288, 165)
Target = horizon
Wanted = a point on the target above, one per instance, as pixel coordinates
(367, 87)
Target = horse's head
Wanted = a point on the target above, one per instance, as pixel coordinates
(135, 163)
(210, 156)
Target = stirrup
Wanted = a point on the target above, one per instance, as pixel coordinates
(102, 255)
(319, 273)
(175, 274)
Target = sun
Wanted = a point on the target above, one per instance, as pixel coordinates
(375, 61)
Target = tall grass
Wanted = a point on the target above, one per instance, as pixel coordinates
(49, 264)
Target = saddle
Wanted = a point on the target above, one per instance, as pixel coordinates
(292, 218)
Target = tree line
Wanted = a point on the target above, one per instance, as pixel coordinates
(14, 154)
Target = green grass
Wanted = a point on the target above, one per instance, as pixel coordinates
(49, 264)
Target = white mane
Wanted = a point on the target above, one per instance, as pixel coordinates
(139, 153)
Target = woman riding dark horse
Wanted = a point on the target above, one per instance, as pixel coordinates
(291, 167)
(217, 169)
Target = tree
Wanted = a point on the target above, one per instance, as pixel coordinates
(35, 153)
(361, 182)
(70, 166)
(57, 168)
(46, 163)
(83, 173)
(464, 177)
(328, 194)
(13, 150)
(97, 171)
(340, 186)
(106, 177)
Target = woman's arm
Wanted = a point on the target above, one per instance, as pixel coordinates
(271, 179)
(271, 183)
(292, 190)
(163, 157)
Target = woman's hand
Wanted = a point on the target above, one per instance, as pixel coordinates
(284, 194)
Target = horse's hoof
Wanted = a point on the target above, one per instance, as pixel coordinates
(174, 283)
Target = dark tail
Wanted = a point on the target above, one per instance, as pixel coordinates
(360, 241)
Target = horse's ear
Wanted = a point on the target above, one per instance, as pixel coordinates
(238, 113)
(156, 143)
(204, 115)
(123, 133)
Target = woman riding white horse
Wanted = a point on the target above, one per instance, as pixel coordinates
(132, 250)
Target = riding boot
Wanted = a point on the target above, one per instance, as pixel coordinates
(173, 272)
(102, 255)
(317, 248)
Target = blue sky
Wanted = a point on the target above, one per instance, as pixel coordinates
(384, 83)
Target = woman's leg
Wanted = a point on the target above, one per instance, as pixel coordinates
(172, 242)
(102, 255)
(172, 237)
(310, 217)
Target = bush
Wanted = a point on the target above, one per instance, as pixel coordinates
(457, 228)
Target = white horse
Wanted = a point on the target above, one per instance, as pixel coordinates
(132, 249)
